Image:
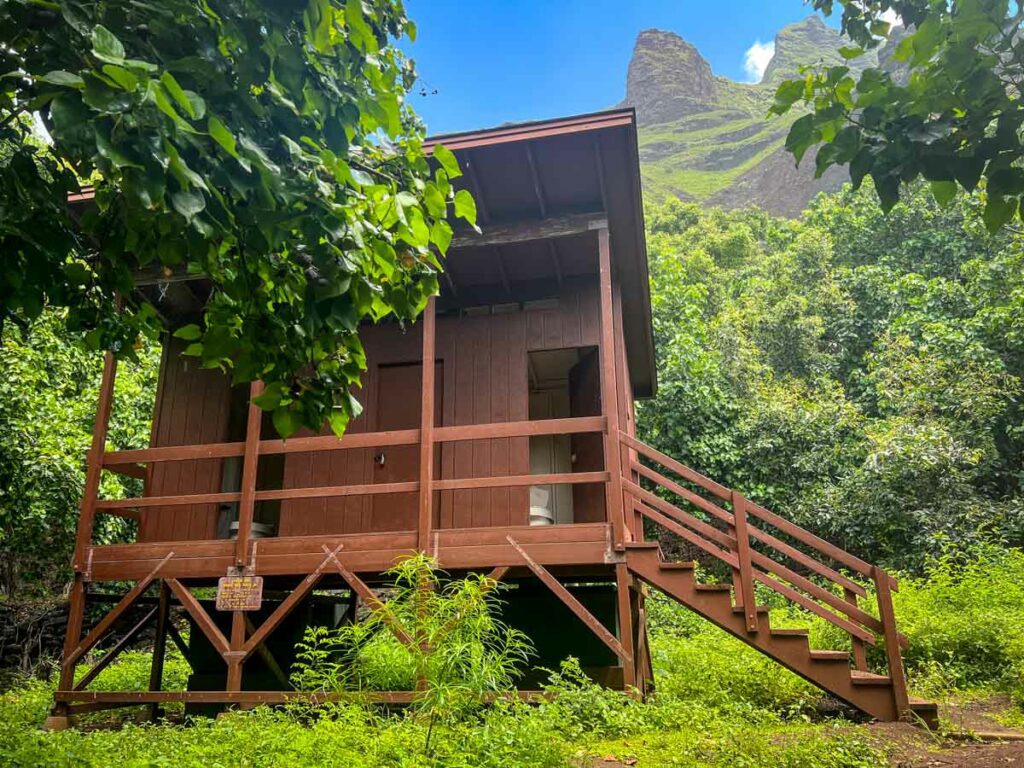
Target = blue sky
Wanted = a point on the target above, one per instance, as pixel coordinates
(492, 61)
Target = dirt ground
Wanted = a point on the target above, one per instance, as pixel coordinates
(978, 740)
(911, 747)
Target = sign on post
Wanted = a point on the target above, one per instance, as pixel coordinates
(239, 591)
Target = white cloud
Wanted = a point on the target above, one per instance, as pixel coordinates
(755, 60)
(892, 18)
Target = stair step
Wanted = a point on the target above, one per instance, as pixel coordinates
(842, 656)
(714, 588)
(642, 545)
(869, 678)
(762, 610)
(789, 633)
(689, 566)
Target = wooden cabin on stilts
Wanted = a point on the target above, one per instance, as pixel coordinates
(498, 436)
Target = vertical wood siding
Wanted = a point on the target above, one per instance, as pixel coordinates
(192, 406)
(484, 380)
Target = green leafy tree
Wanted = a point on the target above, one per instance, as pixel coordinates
(860, 372)
(265, 145)
(948, 112)
(48, 391)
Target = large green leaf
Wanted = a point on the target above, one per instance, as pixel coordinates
(105, 45)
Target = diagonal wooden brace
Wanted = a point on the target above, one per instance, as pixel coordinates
(179, 641)
(114, 652)
(281, 612)
(202, 618)
(574, 605)
(372, 601)
(113, 615)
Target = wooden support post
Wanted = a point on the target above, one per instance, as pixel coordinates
(574, 605)
(425, 523)
(892, 642)
(156, 670)
(94, 462)
(250, 464)
(76, 613)
(609, 394)
(644, 665)
(860, 658)
(236, 655)
(86, 517)
(116, 651)
(746, 571)
(623, 580)
(634, 521)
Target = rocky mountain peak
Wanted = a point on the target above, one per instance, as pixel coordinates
(705, 137)
(667, 78)
(806, 42)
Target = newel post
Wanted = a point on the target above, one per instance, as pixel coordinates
(425, 521)
(892, 642)
(609, 392)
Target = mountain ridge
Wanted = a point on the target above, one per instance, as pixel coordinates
(707, 138)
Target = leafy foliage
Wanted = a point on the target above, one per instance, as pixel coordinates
(265, 145)
(861, 373)
(952, 115)
(460, 650)
(48, 392)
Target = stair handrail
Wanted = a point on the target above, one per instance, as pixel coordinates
(749, 565)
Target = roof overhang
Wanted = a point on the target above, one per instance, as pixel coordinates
(552, 174)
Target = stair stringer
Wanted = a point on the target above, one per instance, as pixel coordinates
(871, 694)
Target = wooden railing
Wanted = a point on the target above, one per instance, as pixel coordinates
(752, 541)
(133, 463)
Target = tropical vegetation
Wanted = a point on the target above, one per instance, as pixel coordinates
(267, 146)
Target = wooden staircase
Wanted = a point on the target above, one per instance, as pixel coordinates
(760, 547)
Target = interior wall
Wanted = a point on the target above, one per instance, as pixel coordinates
(552, 453)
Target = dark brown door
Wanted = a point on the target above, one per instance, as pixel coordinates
(588, 450)
(399, 400)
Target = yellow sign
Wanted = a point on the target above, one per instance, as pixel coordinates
(239, 593)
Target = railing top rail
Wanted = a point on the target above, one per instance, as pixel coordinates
(852, 562)
(698, 501)
(680, 469)
(802, 535)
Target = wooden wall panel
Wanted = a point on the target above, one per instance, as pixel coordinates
(193, 405)
(484, 379)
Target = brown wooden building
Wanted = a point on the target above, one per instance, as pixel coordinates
(512, 451)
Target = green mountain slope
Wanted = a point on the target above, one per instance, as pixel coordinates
(704, 137)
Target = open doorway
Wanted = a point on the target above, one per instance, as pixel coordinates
(563, 383)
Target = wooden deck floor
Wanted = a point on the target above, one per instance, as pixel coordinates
(458, 549)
